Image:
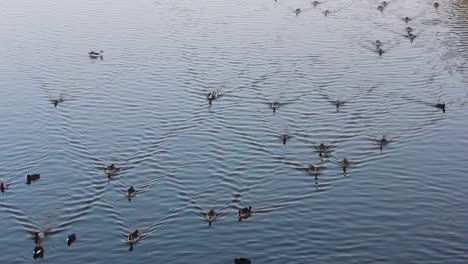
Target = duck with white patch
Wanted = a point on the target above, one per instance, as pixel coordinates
(70, 239)
(96, 55)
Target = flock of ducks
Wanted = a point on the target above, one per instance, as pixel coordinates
(245, 212)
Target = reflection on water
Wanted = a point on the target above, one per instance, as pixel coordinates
(344, 131)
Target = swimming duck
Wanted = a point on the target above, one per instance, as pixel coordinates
(96, 55)
(378, 43)
(436, 5)
(297, 11)
(380, 51)
(111, 169)
(284, 138)
(131, 192)
(411, 37)
(210, 216)
(275, 105)
(344, 164)
(380, 8)
(322, 148)
(384, 4)
(244, 213)
(382, 142)
(212, 96)
(242, 261)
(32, 177)
(409, 29)
(313, 170)
(38, 252)
(2, 187)
(57, 101)
(134, 237)
(70, 239)
(315, 3)
(407, 19)
(339, 103)
(326, 12)
(441, 106)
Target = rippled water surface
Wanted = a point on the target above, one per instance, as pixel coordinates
(144, 107)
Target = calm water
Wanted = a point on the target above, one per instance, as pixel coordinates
(144, 107)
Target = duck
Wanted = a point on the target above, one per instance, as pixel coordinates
(315, 3)
(244, 213)
(384, 4)
(436, 5)
(131, 192)
(57, 101)
(32, 177)
(2, 187)
(96, 55)
(406, 19)
(380, 51)
(344, 164)
(210, 216)
(441, 106)
(411, 37)
(111, 169)
(339, 103)
(70, 239)
(134, 237)
(38, 251)
(322, 148)
(284, 138)
(382, 142)
(297, 11)
(380, 8)
(274, 105)
(313, 170)
(409, 29)
(212, 96)
(242, 261)
(378, 43)
(326, 12)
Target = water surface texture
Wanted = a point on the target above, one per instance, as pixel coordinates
(144, 107)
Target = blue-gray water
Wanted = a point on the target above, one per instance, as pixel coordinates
(144, 107)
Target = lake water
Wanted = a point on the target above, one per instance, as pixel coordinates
(144, 107)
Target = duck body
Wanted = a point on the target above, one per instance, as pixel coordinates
(242, 261)
(212, 95)
(441, 106)
(134, 237)
(111, 169)
(211, 216)
(2, 187)
(244, 213)
(96, 55)
(32, 177)
(131, 192)
(275, 105)
(313, 170)
(38, 252)
(70, 239)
